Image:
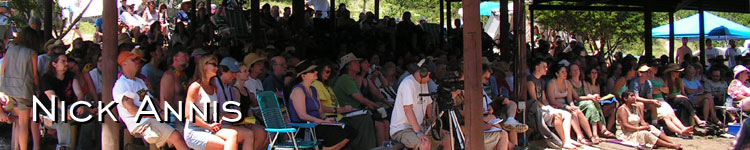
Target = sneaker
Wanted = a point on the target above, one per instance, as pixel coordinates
(513, 125)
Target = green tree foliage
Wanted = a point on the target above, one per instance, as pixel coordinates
(600, 31)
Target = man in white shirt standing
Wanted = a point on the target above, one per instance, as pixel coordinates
(731, 54)
(410, 109)
(711, 51)
(129, 91)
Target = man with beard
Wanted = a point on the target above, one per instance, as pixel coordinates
(174, 84)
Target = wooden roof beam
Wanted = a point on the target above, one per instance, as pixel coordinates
(683, 4)
(592, 8)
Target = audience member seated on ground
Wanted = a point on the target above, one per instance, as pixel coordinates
(347, 91)
(560, 119)
(587, 95)
(511, 125)
(409, 112)
(127, 92)
(643, 89)
(608, 109)
(739, 89)
(59, 79)
(697, 94)
(681, 102)
(199, 133)
(665, 111)
(305, 107)
(560, 96)
(632, 128)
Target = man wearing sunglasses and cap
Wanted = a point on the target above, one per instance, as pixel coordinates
(129, 92)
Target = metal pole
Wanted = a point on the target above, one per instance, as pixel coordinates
(110, 138)
(472, 70)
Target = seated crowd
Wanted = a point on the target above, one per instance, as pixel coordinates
(375, 76)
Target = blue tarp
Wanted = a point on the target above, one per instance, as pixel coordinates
(714, 27)
(486, 8)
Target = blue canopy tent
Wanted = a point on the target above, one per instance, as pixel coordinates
(715, 27)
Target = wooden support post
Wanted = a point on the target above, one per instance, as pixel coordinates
(671, 37)
(472, 71)
(298, 10)
(504, 24)
(520, 59)
(208, 6)
(110, 129)
(442, 21)
(255, 23)
(702, 41)
(47, 20)
(448, 13)
(377, 9)
(647, 40)
(531, 24)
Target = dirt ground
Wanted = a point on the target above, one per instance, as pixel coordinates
(697, 143)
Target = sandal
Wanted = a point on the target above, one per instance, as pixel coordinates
(584, 141)
(608, 134)
(596, 140)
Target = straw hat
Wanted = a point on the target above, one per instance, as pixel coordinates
(124, 39)
(673, 67)
(739, 69)
(138, 51)
(348, 58)
(304, 67)
(57, 44)
(251, 59)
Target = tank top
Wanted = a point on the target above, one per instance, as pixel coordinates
(560, 96)
(312, 105)
(539, 84)
(658, 84)
(245, 102)
(579, 90)
(205, 99)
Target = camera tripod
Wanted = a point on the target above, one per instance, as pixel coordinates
(454, 128)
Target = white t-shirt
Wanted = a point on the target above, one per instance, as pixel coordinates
(96, 77)
(408, 94)
(253, 85)
(131, 88)
(730, 54)
(486, 100)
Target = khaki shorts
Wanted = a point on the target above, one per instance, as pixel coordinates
(153, 132)
(410, 139)
(491, 139)
(21, 104)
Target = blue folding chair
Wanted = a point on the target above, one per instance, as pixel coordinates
(275, 125)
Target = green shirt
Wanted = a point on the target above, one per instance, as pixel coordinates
(344, 88)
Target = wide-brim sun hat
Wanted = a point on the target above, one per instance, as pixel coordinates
(303, 67)
(739, 69)
(673, 68)
(347, 59)
(251, 59)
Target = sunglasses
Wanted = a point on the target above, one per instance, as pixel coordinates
(212, 64)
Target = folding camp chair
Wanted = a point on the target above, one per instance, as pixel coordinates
(275, 124)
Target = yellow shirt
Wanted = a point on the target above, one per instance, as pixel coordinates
(326, 97)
